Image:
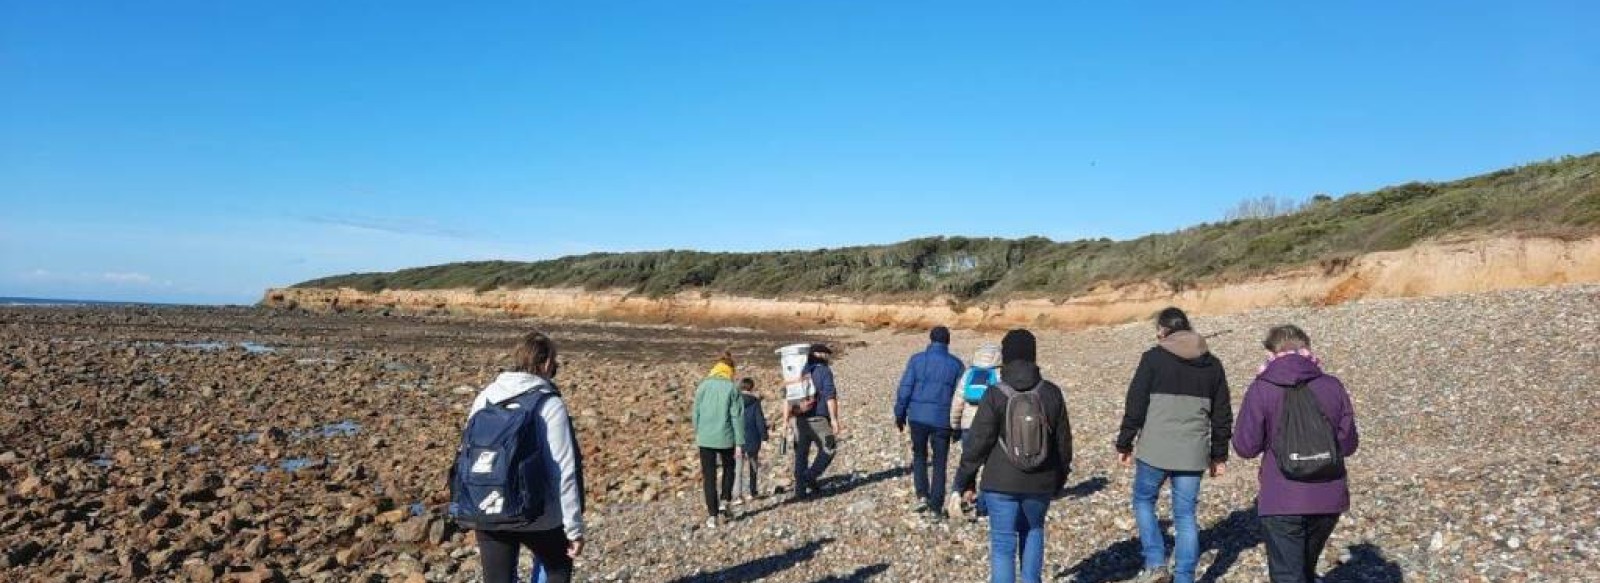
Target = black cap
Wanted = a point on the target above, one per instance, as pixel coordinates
(940, 334)
(822, 348)
(1018, 345)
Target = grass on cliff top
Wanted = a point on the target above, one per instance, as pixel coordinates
(1557, 198)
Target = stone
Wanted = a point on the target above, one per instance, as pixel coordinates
(316, 565)
(411, 531)
(198, 571)
(392, 516)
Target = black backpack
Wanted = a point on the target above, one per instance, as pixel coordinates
(1306, 447)
(1025, 438)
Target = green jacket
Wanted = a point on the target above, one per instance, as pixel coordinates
(717, 407)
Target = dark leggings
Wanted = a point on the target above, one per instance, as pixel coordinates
(499, 550)
(708, 476)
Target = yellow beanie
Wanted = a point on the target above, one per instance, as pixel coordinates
(722, 370)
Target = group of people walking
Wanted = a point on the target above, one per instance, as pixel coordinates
(1177, 427)
(730, 427)
(517, 480)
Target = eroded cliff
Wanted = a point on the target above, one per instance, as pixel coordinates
(1425, 270)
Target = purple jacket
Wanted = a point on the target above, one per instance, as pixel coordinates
(1258, 418)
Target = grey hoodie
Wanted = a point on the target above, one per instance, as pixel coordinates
(561, 458)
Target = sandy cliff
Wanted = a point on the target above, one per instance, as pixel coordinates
(1425, 270)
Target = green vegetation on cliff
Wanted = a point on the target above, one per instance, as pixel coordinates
(1558, 198)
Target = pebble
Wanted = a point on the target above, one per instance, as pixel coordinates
(1470, 468)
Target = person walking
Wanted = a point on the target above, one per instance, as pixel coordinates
(718, 431)
(816, 423)
(1297, 514)
(755, 432)
(1179, 416)
(556, 534)
(983, 374)
(923, 400)
(1026, 417)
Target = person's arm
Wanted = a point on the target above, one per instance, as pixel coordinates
(736, 417)
(829, 395)
(833, 416)
(1221, 419)
(699, 393)
(1349, 438)
(1063, 431)
(1135, 406)
(958, 401)
(902, 396)
(984, 430)
(1250, 430)
(761, 425)
(562, 452)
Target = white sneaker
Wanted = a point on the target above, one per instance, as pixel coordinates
(738, 501)
(711, 523)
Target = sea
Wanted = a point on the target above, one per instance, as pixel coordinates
(59, 303)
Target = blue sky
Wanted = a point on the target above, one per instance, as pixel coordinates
(202, 151)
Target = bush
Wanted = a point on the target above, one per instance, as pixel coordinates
(1260, 235)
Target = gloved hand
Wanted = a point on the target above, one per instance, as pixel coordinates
(900, 424)
(955, 436)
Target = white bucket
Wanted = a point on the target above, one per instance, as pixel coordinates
(792, 359)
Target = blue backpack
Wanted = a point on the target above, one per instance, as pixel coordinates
(498, 481)
(978, 380)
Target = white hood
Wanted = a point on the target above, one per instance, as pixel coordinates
(506, 387)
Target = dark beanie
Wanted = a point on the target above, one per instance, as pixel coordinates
(1018, 345)
(940, 334)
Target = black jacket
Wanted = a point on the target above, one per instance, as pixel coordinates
(999, 475)
(1178, 406)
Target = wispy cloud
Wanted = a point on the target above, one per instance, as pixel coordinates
(126, 277)
(115, 278)
(394, 225)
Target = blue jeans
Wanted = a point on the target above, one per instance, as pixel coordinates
(1147, 482)
(806, 436)
(1016, 531)
(923, 436)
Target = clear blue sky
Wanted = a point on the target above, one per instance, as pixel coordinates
(201, 151)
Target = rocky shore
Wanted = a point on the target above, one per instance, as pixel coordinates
(149, 444)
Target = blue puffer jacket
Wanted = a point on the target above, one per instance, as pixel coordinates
(927, 387)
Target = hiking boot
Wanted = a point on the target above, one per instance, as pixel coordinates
(737, 501)
(921, 507)
(937, 515)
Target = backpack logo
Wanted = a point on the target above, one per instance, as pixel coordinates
(484, 464)
(1302, 427)
(494, 503)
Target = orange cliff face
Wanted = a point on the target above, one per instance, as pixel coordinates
(1424, 270)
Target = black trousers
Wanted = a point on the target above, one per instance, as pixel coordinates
(709, 458)
(1294, 543)
(499, 550)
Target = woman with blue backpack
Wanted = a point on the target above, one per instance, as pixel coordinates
(984, 373)
(518, 477)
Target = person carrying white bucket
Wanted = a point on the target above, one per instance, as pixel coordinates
(811, 417)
